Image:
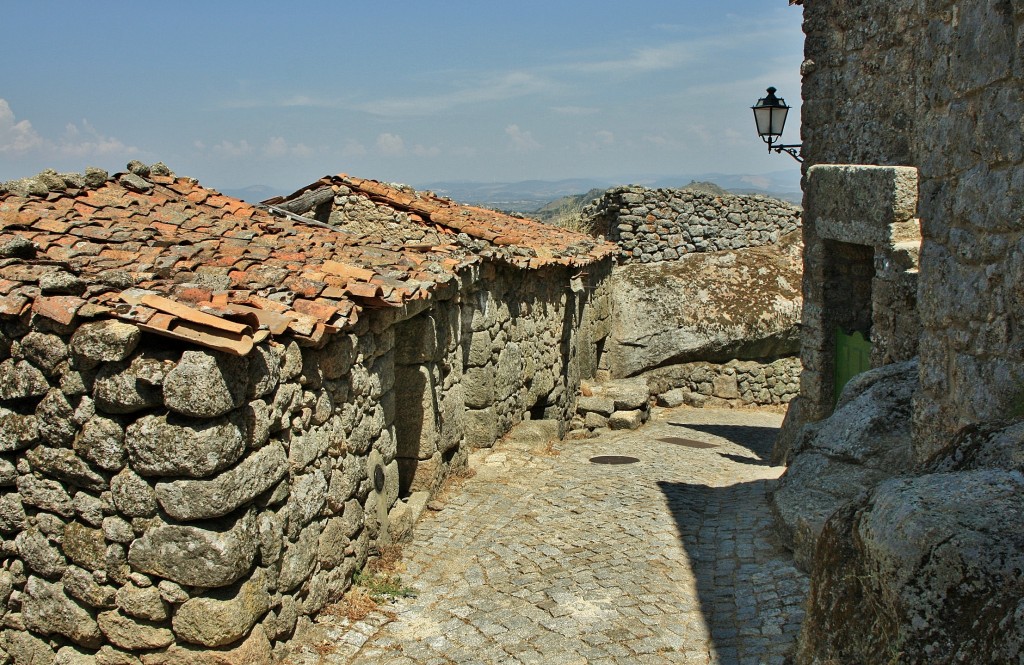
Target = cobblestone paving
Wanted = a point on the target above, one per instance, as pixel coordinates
(549, 558)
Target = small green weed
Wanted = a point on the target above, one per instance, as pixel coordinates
(382, 587)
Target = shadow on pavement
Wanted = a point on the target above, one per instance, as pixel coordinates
(758, 440)
(750, 593)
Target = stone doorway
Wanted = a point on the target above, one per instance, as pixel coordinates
(849, 274)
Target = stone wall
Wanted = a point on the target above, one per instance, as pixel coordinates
(731, 384)
(913, 567)
(177, 504)
(972, 194)
(663, 224)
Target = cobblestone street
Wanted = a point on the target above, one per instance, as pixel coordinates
(546, 557)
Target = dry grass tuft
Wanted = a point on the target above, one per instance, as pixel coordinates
(357, 604)
(547, 450)
(387, 562)
(453, 482)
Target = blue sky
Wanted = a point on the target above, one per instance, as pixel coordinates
(275, 93)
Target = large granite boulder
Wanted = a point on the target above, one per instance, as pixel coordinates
(927, 569)
(866, 440)
(714, 306)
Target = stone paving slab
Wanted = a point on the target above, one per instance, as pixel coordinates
(545, 557)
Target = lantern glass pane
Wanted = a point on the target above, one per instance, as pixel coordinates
(763, 118)
(779, 119)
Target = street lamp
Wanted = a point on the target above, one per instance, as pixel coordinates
(770, 115)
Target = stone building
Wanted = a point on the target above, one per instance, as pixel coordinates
(912, 124)
(212, 413)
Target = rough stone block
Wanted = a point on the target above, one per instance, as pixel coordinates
(416, 420)
(142, 603)
(481, 427)
(417, 475)
(132, 495)
(17, 431)
(255, 650)
(479, 349)
(598, 404)
(48, 495)
(195, 556)
(400, 523)
(725, 386)
(206, 384)
(47, 610)
(203, 499)
(215, 622)
(63, 464)
(420, 339)
(166, 445)
(860, 204)
(25, 647)
(20, 380)
(85, 546)
(629, 394)
(101, 441)
(479, 387)
(625, 420)
(105, 341)
(38, 554)
(672, 398)
(127, 633)
(82, 586)
(298, 559)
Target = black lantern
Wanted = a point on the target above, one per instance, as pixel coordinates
(770, 115)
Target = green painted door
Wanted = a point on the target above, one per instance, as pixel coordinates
(853, 356)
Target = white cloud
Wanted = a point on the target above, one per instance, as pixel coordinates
(500, 87)
(605, 137)
(390, 145)
(88, 141)
(522, 140)
(16, 137)
(277, 146)
(233, 150)
(668, 56)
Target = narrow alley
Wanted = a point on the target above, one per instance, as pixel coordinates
(544, 556)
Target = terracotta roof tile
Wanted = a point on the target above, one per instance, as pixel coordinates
(198, 257)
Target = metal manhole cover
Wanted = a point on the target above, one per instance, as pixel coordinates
(613, 459)
(689, 443)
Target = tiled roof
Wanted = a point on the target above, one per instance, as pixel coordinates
(188, 262)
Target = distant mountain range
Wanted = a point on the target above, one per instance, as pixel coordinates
(531, 195)
(528, 196)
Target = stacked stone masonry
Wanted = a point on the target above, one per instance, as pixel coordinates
(735, 383)
(168, 503)
(663, 224)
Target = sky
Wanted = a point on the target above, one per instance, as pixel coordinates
(282, 93)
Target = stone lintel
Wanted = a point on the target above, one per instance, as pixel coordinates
(863, 205)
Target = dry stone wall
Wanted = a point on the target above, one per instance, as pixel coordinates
(652, 225)
(735, 383)
(530, 343)
(167, 504)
